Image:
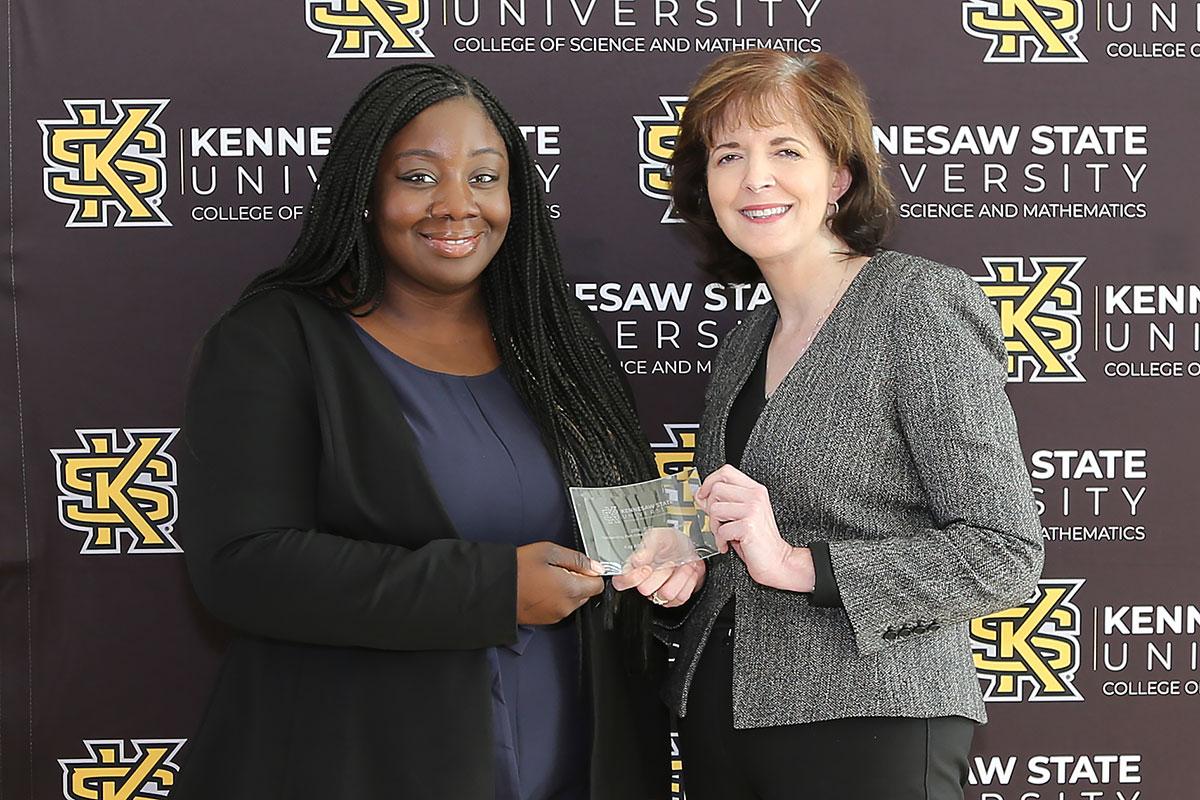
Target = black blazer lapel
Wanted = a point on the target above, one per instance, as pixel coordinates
(371, 451)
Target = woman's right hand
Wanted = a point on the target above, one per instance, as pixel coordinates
(553, 581)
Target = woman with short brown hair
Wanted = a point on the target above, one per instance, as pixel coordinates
(754, 87)
(862, 468)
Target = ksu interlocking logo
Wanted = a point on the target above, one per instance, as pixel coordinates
(1040, 315)
(1050, 27)
(676, 766)
(397, 25)
(108, 490)
(677, 453)
(110, 773)
(1033, 647)
(656, 144)
(682, 511)
(97, 163)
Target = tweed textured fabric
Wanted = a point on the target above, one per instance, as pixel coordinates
(893, 440)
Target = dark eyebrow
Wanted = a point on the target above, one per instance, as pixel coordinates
(416, 152)
(778, 140)
(420, 153)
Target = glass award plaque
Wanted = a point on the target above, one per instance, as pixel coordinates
(654, 523)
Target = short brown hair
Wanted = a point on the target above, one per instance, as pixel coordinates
(751, 86)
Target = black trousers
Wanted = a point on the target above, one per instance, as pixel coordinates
(858, 758)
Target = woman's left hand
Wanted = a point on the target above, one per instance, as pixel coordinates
(741, 517)
(666, 586)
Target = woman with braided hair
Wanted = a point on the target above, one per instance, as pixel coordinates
(379, 433)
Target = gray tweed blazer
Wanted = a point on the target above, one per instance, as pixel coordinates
(893, 440)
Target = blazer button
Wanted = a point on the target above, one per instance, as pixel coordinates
(889, 634)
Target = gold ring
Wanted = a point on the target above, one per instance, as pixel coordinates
(658, 600)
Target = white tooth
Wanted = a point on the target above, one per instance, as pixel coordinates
(765, 212)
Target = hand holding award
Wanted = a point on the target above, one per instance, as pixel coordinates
(644, 532)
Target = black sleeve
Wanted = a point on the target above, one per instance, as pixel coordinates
(255, 552)
(825, 593)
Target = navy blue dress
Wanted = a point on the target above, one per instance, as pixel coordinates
(493, 475)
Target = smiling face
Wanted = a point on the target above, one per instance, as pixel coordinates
(771, 190)
(440, 205)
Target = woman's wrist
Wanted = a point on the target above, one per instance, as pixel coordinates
(796, 573)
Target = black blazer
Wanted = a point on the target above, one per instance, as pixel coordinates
(311, 527)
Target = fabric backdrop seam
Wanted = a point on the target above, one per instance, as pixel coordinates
(24, 477)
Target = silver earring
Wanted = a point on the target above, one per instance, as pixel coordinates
(836, 209)
(366, 215)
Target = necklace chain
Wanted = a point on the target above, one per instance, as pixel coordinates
(820, 324)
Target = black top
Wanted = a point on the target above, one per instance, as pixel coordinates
(746, 410)
(743, 415)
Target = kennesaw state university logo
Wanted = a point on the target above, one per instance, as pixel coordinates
(108, 490)
(1049, 27)
(678, 451)
(1031, 652)
(1040, 314)
(676, 767)
(111, 772)
(100, 164)
(656, 144)
(396, 25)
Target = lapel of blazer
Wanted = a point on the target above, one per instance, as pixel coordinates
(741, 353)
(377, 454)
(822, 356)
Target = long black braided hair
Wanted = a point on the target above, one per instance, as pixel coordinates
(550, 352)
